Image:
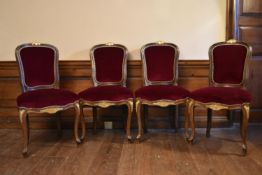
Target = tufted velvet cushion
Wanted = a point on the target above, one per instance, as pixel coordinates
(224, 95)
(159, 92)
(46, 98)
(160, 62)
(38, 65)
(107, 93)
(109, 64)
(229, 61)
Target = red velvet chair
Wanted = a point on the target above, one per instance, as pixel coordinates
(160, 70)
(227, 79)
(109, 69)
(39, 75)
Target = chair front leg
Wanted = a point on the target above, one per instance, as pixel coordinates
(243, 128)
(128, 124)
(25, 129)
(76, 124)
(138, 115)
(83, 123)
(190, 119)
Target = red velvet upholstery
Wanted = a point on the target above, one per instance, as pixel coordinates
(161, 92)
(229, 61)
(109, 64)
(224, 95)
(107, 93)
(46, 98)
(160, 62)
(38, 65)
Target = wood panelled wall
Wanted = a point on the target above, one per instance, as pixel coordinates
(76, 76)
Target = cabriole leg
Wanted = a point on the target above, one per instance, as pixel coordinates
(76, 124)
(83, 123)
(129, 115)
(138, 115)
(190, 119)
(243, 132)
(24, 123)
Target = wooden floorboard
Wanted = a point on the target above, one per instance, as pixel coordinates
(109, 153)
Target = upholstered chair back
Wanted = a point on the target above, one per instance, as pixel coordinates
(109, 63)
(38, 66)
(228, 63)
(160, 62)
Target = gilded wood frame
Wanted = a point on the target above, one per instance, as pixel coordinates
(26, 87)
(105, 103)
(245, 107)
(144, 65)
(162, 102)
(24, 112)
(122, 82)
(245, 71)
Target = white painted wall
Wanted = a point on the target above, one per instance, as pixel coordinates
(74, 26)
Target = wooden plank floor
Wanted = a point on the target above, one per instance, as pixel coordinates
(107, 152)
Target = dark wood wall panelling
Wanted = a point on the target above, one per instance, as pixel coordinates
(76, 76)
(244, 22)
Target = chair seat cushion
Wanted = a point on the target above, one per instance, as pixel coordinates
(161, 92)
(106, 93)
(45, 98)
(224, 95)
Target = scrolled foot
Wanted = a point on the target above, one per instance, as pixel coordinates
(130, 139)
(138, 136)
(24, 152)
(190, 141)
(244, 150)
(78, 141)
(82, 139)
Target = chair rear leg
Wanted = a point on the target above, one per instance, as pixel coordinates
(59, 124)
(94, 119)
(125, 117)
(209, 122)
(172, 116)
(230, 116)
(145, 118)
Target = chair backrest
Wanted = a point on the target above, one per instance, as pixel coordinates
(38, 66)
(160, 61)
(229, 63)
(109, 64)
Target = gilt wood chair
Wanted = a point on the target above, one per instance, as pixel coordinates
(39, 75)
(228, 79)
(160, 72)
(109, 73)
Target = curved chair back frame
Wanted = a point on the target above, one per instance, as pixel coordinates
(172, 81)
(25, 86)
(121, 82)
(245, 75)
